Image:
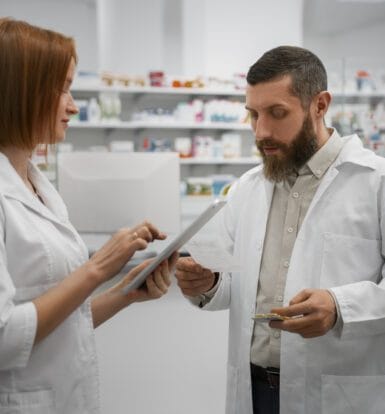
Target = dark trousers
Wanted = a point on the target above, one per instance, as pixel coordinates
(265, 396)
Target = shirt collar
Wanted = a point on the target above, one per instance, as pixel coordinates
(321, 161)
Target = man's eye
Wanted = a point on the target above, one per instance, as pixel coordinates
(253, 115)
(278, 113)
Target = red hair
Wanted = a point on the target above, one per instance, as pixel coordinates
(33, 67)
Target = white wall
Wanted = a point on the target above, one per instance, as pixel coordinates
(223, 37)
(365, 43)
(131, 35)
(239, 32)
(76, 18)
(216, 37)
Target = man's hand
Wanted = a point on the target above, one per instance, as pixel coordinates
(314, 312)
(193, 279)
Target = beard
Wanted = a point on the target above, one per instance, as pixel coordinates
(293, 156)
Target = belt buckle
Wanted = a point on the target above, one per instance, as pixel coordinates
(272, 377)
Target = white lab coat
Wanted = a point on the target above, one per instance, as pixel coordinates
(38, 248)
(339, 246)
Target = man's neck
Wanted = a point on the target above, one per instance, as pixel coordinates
(323, 135)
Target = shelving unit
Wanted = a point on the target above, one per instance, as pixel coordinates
(154, 90)
(82, 133)
(222, 126)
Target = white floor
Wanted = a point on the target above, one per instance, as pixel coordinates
(163, 357)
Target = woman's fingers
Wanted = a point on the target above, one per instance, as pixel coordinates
(159, 281)
(148, 231)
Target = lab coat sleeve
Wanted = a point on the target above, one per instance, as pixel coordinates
(362, 307)
(18, 322)
(362, 304)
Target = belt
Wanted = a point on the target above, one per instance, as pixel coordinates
(267, 375)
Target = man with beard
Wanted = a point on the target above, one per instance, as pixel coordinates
(307, 227)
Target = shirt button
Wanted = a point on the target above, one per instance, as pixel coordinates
(295, 195)
(290, 230)
(286, 263)
(276, 334)
(279, 299)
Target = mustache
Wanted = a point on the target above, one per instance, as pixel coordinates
(269, 142)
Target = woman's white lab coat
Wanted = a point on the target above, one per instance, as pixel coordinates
(38, 248)
(339, 246)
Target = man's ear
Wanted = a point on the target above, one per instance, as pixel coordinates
(321, 103)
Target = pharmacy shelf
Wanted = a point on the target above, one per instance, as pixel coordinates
(157, 90)
(202, 91)
(224, 161)
(356, 94)
(161, 125)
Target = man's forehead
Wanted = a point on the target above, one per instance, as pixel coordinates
(272, 92)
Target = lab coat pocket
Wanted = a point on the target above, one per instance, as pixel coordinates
(348, 259)
(28, 402)
(353, 394)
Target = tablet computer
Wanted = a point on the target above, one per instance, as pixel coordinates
(176, 243)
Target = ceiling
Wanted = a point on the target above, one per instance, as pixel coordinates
(328, 17)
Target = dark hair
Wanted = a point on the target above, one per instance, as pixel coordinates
(307, 72)
(33, 69)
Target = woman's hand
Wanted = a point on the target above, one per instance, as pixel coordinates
(111, 258)
(112, 301)
(156, 284)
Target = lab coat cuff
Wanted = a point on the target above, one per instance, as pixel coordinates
(19, 336)
(337, 328)
(203, 299)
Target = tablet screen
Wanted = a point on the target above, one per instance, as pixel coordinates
(176, 243)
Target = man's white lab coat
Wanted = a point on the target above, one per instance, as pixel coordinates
(339, 247)
(38, 248)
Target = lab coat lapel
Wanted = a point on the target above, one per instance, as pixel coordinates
(13, 187)
(329, 177)
(258, 207)
(352, 153)
(269, 189)
(37, 206)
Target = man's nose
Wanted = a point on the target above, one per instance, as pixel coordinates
(262, 129)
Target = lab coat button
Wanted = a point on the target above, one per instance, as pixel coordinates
(279, 299)
(286, 263)
(290, 230)
(276, 334)
(295, 195)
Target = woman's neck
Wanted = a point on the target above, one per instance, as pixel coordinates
(19, 159)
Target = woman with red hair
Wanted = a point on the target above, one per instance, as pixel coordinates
(47, 317)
